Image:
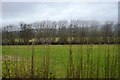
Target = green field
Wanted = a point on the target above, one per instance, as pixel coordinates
(89, 61)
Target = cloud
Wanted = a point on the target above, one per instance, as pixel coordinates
(14, 12)
(59, 0)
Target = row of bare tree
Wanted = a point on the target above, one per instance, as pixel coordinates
(83, 32)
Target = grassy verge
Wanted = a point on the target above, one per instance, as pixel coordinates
(90, 61)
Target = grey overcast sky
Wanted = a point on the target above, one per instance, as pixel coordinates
(15, 12)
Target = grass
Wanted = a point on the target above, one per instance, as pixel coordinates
(89, 60)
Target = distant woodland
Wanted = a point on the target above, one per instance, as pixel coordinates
(61, 32)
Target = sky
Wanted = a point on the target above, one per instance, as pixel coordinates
(16, 12)
(60, 0)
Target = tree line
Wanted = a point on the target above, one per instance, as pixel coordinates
(59, 32)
